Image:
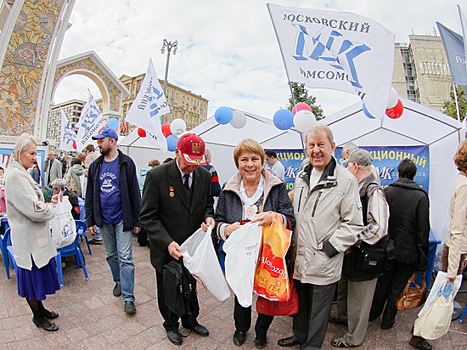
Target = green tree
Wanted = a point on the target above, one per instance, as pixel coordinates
(300, 94)
(450, 107)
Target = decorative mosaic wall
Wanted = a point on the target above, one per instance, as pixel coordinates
(22, 69)
(87, 64)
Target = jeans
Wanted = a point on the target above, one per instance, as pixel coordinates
(118, 247)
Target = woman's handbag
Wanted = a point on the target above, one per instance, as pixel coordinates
(412, 297)
(279, 308)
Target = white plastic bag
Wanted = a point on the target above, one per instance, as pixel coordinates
(440, 280)
(63, 225)
(241, 255)
(200, 258)
(435, 321)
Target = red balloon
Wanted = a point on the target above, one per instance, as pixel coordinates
(301, 106)
(166, 130)
(396, 111)
(141, 132)
(74, 144)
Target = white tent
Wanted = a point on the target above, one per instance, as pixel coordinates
(418, 125)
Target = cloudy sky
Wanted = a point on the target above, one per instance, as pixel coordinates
(227, 50)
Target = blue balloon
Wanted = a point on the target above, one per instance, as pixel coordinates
(172, 142)
(112, 123)
(223, 115)
(283, 119)
(365, 110)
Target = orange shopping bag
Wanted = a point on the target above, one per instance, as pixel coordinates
(271, 276)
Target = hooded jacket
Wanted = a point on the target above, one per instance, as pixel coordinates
(329, 220)
(409, 222)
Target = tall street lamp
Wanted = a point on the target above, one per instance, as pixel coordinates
(169, 46)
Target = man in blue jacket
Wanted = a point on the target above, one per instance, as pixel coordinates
(113, 202)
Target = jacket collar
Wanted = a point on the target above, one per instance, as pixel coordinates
(327, 179)
(17, 165)
(121, 158)
(408, 184)
(270, 181)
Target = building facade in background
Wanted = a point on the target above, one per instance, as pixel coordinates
(183, 104)
(421, 71)
(72, 110)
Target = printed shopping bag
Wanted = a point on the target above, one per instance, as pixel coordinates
(63, 225)
(271, 276)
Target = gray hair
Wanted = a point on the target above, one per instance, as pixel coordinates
(316, 129)
(207, 152)
(22, 144)
(349, 146)
(58, 183)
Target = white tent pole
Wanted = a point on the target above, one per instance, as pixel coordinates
(457, 103)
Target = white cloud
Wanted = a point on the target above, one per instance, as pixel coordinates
(228, 51)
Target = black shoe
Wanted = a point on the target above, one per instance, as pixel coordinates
(288, 342)
(386, 326)
(201, 330)
(175, 337)
(52, 328)
(424, 346)
(239, 338)
(130, 307)
(117, 290)
(260, 342)
(95, 241)
(50, 315)
(336, 320)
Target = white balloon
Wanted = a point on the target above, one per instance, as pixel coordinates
(304, 120)
(178, 126)
(393, 98)
(238, 120)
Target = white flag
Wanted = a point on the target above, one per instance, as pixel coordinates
(464, 32)
(149, 105)
(157, 140)
(336, 50)
(90, 123)
(67, 134)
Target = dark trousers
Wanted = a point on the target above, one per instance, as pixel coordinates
(242, 317)
(388, 289)
(171, 319)
(311, 321)
(142, 237)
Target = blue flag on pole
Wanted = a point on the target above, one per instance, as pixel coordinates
(454, 47)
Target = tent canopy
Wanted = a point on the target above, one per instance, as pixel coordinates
(418, 125)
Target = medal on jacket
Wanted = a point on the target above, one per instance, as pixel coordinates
(171, 189)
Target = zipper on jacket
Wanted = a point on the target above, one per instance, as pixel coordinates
(299, 200)
(316, 204)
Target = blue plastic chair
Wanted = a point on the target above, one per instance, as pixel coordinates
(9, 249)
(81, 228)
(82, 212)
(69, 250)
(5, 253)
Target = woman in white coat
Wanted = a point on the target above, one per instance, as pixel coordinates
(28, 217)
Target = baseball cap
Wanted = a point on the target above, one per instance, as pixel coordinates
(192, 148)
(106, 132)
(360, 156)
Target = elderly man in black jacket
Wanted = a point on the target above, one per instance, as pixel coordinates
(409, 227)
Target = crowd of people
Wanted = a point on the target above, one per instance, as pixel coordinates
(336, 215)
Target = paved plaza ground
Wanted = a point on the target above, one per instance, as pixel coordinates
(92, 318)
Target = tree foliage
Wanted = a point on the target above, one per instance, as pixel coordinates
(450, 107)
(300, 94)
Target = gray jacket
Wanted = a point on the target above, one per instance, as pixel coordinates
(329, 220)
(55, 171)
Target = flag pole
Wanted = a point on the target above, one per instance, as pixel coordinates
(457, 102)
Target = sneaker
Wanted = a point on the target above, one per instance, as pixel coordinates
(95, 241)
(117, 290)
(130, 307)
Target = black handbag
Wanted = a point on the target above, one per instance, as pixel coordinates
(180, 291)
(378, 257)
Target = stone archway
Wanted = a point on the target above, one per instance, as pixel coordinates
(90, 65)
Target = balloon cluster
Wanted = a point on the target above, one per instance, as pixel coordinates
(225, 115)
(394, 108)
(112, 123)
(171, 132)
(301, 117)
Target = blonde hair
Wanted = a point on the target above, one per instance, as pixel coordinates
(22, 144)
(317, 129)
(248, 145)
(460, 159)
